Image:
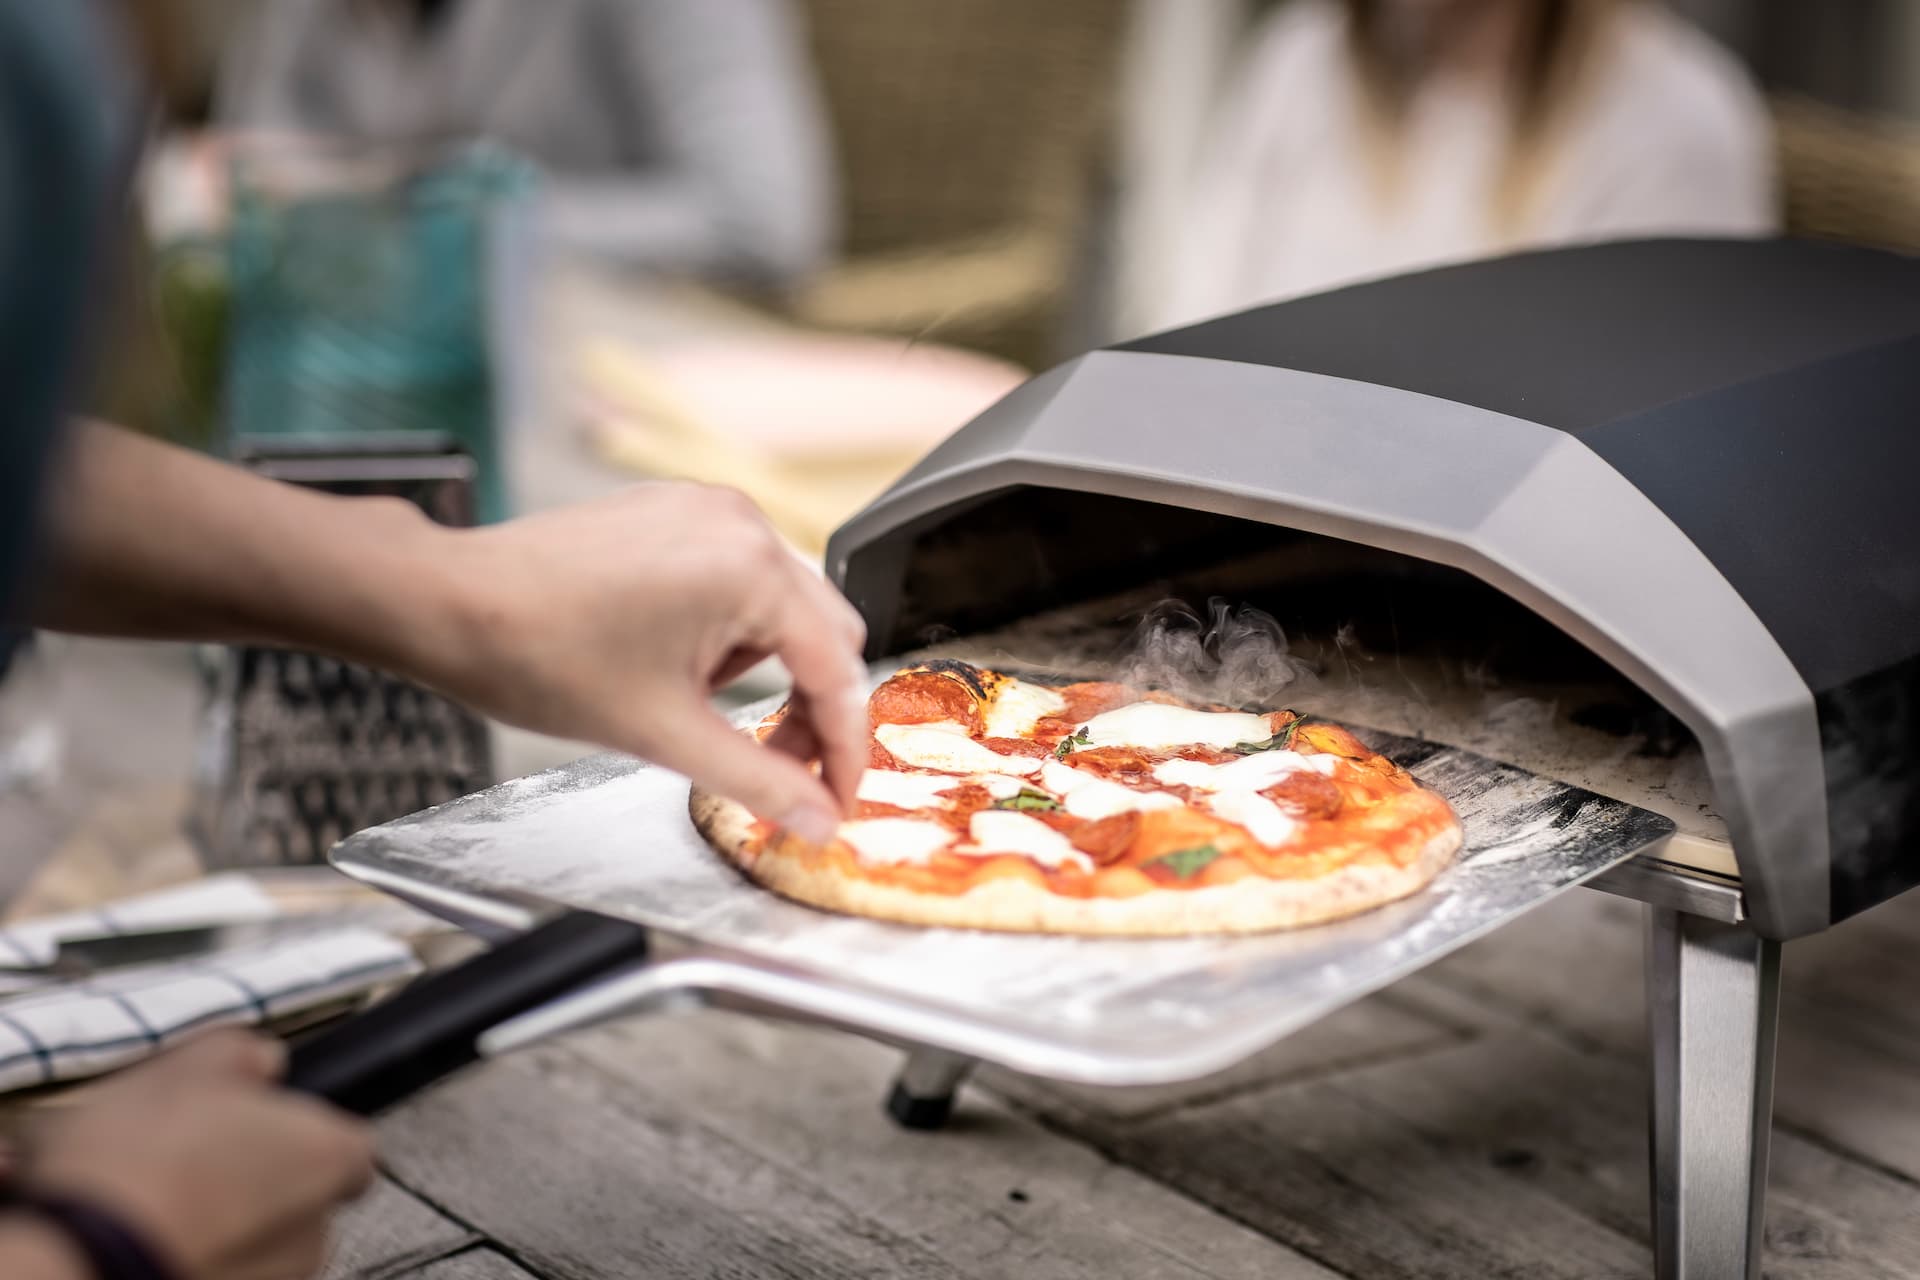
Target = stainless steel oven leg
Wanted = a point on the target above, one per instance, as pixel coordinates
(922, 1094)
(1713, 1000)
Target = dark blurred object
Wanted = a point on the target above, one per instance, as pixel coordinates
(970, 135)
(297, 752)
(13, 641)
(1847, 176)
(1859, 54)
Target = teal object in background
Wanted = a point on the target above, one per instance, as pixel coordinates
(364, 290)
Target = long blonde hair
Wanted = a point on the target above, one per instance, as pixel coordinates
(1557, 47)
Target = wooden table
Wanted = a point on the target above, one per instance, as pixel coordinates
(1483, 1118)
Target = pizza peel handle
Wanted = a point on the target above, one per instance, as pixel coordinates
(433, 1027)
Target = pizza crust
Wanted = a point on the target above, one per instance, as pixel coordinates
(1255, 904)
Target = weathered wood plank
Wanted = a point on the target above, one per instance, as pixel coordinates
(1574, 1124)
(473, 1264)
(585, 1177)
(1325, 1168)
(1510, 1153)
(1369, 1031)
(388, 1232)
(1574, 964)
(993, 1190)
(1849, 1051)
(710, 1146)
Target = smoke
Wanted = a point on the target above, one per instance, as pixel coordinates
(1238, 657)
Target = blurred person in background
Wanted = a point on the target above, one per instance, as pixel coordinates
(683, 138)
(612, 622)
(1362, 138)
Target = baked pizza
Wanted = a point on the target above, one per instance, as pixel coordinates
(992, 802)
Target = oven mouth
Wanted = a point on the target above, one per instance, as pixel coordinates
(1079, 571)
(1061, 583)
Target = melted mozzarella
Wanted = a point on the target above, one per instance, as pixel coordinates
(923, 790)
(1260, 816)
(1154, 725)
(905, 790)
(945, 746)
(1256, 772)
(1003, 831)
(1017, 706)
(892, 840)
(1087, 796)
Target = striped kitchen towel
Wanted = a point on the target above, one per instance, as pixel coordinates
(92, 1026)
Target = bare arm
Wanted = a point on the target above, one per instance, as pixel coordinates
(612, 621)
(150, 541)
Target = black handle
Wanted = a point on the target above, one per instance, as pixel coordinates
(432, 1028)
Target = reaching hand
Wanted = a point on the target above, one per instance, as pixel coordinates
(611, 621)
(225, 1176)
(615, 620)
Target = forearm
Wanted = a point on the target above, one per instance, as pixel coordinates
(30, 1250)
(151, 541)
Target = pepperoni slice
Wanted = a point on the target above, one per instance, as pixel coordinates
(1016, 747)
(1106, 840)
(1118, 763)
(925, 697)
(1310, 795)
(1091, 697)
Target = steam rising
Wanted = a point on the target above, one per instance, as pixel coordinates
(1239, 656)
(1235, 656)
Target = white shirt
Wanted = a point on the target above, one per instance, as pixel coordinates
(1666, 137)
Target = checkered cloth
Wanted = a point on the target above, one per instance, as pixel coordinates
(121, 1016)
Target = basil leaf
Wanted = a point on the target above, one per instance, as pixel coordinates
(1186, 863)
(1067, 744)
(1278, 742)
(1028, 800)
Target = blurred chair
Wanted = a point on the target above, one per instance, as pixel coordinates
(969, 134)
(1847, 176)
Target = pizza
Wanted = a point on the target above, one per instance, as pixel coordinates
(993, 802)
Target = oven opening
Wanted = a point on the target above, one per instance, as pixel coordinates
(1075, 583)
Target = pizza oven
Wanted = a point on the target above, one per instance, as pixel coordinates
(1685, 467)
(1611, 546)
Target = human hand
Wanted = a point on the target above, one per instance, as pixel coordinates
(225, 1176)
(615, 620)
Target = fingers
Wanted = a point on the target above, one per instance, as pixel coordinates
(298, 1253)
(336, 1151)
(227, 1054)
(774, 785)
(829, 688)
(735, 665)
(820, 636)
(836, 608)
(343, 1145)
(794, 735)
